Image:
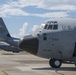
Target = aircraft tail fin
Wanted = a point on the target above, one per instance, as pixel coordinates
(3, 30)
(5, 36)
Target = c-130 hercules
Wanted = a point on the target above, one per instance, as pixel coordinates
(7, 42)
(55, 41)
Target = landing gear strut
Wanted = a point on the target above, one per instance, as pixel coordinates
(55, 63)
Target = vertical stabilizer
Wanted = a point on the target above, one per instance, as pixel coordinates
(3, 30)
(5, 36)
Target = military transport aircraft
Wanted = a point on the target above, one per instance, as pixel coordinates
(7, 42)
(56, 41)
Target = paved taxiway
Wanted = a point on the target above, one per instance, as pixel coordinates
(27, 64)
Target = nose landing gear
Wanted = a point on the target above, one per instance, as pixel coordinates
(55, 63)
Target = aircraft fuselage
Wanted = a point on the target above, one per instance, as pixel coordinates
(57, 40)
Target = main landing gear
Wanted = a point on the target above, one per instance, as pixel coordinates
(55, 63)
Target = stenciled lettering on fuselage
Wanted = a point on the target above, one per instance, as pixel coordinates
(68, 27)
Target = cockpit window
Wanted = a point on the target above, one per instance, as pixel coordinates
(45, 27)
(51, 25)
(55, 27)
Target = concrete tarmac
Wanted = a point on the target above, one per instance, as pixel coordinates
(27, 64)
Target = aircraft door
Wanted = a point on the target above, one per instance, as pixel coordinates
(47, 41)
(44, 41)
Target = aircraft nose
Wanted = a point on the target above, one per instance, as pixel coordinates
(29, 44)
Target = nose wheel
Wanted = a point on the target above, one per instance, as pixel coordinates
(55, 63)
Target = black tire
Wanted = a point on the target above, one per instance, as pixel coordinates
(55, 63)
(15, 51)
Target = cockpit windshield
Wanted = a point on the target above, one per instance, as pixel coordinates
(51, 25)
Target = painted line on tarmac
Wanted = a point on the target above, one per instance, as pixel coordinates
(4, 71)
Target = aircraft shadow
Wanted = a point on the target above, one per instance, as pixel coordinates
(60, 69)
(7, 54)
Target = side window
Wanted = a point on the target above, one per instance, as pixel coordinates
(55, 27)
(45, 36)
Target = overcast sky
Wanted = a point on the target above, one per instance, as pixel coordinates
(23, 16)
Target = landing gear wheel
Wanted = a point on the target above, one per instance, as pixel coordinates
(55, 63)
